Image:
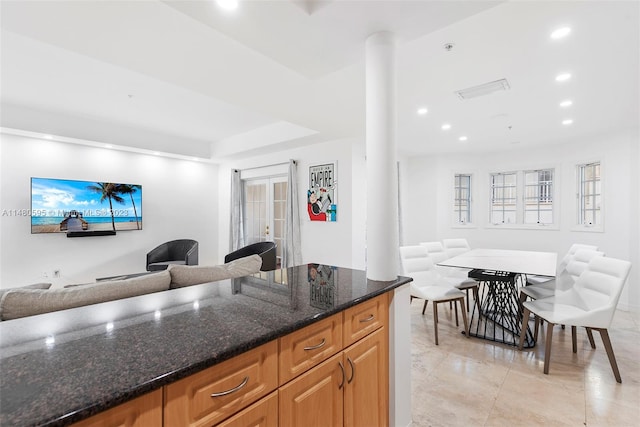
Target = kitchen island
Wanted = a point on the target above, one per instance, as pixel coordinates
(63, 367)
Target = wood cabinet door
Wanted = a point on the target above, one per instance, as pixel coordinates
(366, 392)
(315, 398)
(263, 413)
(143, 411)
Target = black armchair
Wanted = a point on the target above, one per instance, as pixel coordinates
(183, 251)
(266, 250)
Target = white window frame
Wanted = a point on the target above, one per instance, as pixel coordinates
(455, 218)
(545, 192)
(580, 196)
(514, 198)
(268, 175)
(270, 225)
(520, 200)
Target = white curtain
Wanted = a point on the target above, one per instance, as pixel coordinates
(292, 253)
(236, 235)
(400, 230)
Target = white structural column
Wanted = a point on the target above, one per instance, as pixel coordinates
(382, 177)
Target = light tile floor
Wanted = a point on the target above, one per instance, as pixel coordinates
(472, 382)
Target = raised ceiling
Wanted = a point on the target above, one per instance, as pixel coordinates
(188, 78)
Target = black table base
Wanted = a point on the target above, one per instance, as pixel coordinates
(497, 314)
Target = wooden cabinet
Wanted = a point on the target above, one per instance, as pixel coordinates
(307, 347)
(315, 398)
(364, 318)
(263, 413)
(350, 388)
(366, 392)
(143, 411)
(331, 373)
(210, 396)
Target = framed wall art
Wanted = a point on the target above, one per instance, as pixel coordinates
(322, 204)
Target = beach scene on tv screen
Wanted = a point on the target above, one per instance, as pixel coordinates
(60, 206)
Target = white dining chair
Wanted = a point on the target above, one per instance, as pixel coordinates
(591, 303)
(536, 280)
(436, 251)
(429, 285)
(565, 278)
(563, 281)
(454, 247)
(457, 276)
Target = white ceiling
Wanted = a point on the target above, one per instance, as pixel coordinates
(188, 78)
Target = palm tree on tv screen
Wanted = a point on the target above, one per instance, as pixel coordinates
(130, 189)
(108, 191)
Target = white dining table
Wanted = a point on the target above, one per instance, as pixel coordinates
(500, 273)
(506, 260)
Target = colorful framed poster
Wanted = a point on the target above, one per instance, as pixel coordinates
(322, 204)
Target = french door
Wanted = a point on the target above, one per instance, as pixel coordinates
(264, 211)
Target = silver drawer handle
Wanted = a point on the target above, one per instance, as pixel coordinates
(368, 319)
(313, 347)
(224, 393)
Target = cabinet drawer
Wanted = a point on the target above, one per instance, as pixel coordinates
(263, 413)
(307, 347)
(364, 318)
(216, 393)
(142, 411)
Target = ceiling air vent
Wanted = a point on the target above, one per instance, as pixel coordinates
(483, 89)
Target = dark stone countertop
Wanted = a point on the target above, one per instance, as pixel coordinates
(61, 367)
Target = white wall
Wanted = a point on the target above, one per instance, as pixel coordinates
(428, 200)
(179, 201)
(322, 242)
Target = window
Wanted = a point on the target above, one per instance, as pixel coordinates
(264, 211)
(462, 199)
(503, 198)
(589, 194)
(538, 197)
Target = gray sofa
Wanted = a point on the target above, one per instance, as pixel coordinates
(38, 299)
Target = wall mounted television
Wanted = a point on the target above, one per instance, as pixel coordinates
(84, 207)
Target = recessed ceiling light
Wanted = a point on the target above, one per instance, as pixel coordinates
(48, 137)
(422, 111)
(156, 153)
(567, 122)
(228, 4)
(108, 146)
(446, 126)
(563, 77)
(566, 103)
(560, 33)
(462, 138)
